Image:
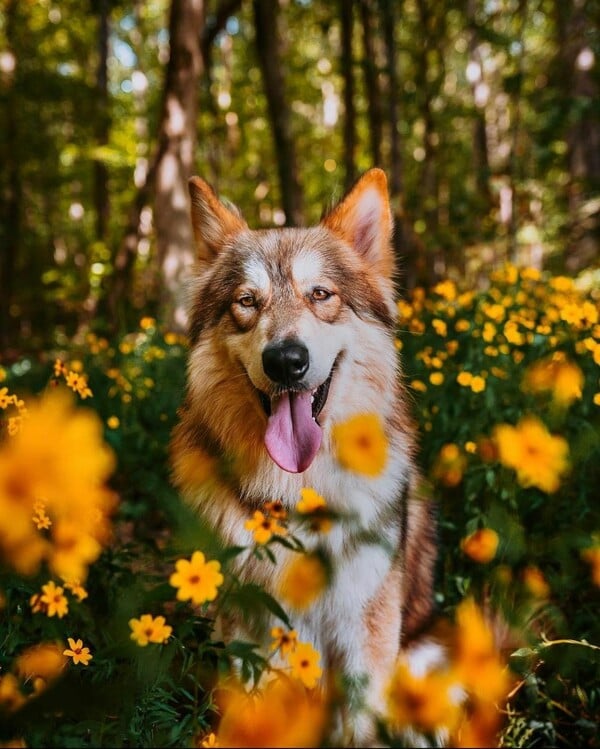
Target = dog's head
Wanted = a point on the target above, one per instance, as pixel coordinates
(283, 303)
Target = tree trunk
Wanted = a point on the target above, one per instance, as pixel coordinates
(177, 142)
(408, 248)
(580, 89)
(347, 18)
(11, 206)
(372, 80)
(101, 196)
(266, 23)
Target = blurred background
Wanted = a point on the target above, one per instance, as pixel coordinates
(483, 113)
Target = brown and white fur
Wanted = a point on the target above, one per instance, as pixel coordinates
(329, 288)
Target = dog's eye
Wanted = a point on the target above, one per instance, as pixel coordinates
(247, 301)
(320, 295)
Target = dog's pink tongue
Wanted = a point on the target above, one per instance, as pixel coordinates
(292, 437)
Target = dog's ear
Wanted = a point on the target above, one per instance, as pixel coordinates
(212, 221)
(363, 219)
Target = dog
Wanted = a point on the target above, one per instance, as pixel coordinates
(291, 332)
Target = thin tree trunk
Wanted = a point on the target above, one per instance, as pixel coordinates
(177, 143)
(101, 195)
(408, 248)
(347, 19)
(266, 22)
(372, 80)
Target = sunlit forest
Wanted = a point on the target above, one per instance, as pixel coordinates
(485, 117)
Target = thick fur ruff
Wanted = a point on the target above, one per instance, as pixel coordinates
(329, 289)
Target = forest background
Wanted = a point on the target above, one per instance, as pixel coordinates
(485, 116)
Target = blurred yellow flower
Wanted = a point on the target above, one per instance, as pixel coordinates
(76, 589)
(535, 582)
(113, 422)
(276, 509)
(436, 378)
(427, 703)
(539, 458)
(464, 378)
(263, 527)
(11, 697)
(361, 444)
(449, 465)
(303, 580)
(281, 715)
(477, 663)
(304, 662)
(149, 629)
(45, 661)
(419, 386)
(559, 376)
(309, 501)
(478, 384)
(58, 455)
(196, 579)
(592, 557)
(481, 545)
(78, 652)
(440, 327)
(446, 289)
(283, 640)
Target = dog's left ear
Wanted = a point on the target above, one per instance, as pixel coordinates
(363, 219)
(212, 221)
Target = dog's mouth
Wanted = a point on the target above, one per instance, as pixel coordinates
(293, 435)
(318, 398)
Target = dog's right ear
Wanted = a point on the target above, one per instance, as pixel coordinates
(212, 221)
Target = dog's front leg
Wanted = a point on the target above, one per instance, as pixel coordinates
(366, 635)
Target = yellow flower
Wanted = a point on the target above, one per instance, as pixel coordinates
(592, 557)
(436, 378)
(303, 580)
(478, 384)
(11, 697)
(310, 501)
(361, 444)
(283, 640)
(276, 509)
(147, 322)
(149, 629)
(78, 652)
(196, 579)
(539, 458)
(113, 422)
(446, 289)
(263, 527)
(535, 582)
(449, 466)
(464, 378)
(45, 661)
(477, 663)
(58, 454)
(54, 600)
(427, 703)
(284, 714)
(304, 662)
(419, 386)
(559, 376)
(440, 327)
(481, 545)
(77, 589)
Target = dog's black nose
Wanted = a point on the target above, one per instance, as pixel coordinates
(286, 362)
